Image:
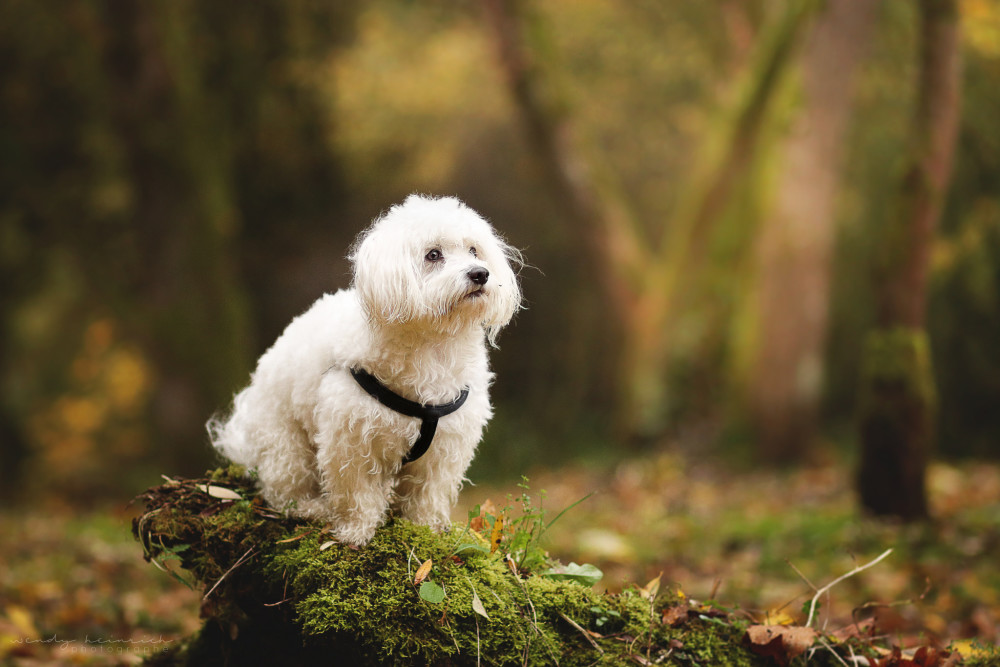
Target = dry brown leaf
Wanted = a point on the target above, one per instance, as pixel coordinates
(862, 628)
(925, 656)
(487, 507)
(675, 615)
(422, 572)
(780, 642)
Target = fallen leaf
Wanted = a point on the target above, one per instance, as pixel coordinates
(860, 629)
(20, 617)
(477, 605)
(780, 642)
(925, 656)
(431, 592)
(477, 522)
(497, 534)
(675, 615)
(650, 590)
(422, 572)
(779, 618)
(968, 648)
(220, 492)
(326, 545)
(585, 574)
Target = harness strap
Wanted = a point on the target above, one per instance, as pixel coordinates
(428, 414)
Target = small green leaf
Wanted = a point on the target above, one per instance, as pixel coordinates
(472, 546)
(431, 592)
(585, 574)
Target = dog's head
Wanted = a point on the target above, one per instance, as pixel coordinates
(436, 260)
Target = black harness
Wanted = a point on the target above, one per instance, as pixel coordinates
(428, 414)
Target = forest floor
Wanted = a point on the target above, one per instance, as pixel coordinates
(74, 588)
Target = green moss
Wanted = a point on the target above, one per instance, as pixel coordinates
(280, 589)
(899, 357)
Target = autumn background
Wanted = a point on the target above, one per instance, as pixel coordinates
(763, 237)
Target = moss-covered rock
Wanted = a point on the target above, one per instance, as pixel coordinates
(279, 591)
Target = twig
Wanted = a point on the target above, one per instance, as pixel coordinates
(801, 576)
(582, 632)
(242, 559)
(820, 592)
(715, 588)
(829, 648)
(890, 605)
(478, 653)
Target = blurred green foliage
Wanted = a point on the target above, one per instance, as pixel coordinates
(180, 178)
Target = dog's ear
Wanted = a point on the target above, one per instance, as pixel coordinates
(385, 276)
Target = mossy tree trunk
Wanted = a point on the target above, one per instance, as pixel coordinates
(898, 398)
(279, 591)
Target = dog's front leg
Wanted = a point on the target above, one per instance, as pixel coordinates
(428, 488)
(356, 491)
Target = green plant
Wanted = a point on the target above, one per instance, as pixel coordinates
(606, 620)
(518, 538)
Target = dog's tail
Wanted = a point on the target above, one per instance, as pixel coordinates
(227, 437)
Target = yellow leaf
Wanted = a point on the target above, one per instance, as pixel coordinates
(422, 572)
(20, 617)
(778, 617)
(497, 534)
(650, 590)
(968, 648)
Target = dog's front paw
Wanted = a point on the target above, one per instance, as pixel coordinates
(353, 535)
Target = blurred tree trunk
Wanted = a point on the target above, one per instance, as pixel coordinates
(796, 239)
(898, 399)
(642, 277)
(184, 301)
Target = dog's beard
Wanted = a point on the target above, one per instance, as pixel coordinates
(469, 304)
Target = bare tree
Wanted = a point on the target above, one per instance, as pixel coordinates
(898, 397)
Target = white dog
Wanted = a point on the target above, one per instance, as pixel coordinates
(376, 397)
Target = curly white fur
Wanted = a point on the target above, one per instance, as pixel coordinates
(418, 320)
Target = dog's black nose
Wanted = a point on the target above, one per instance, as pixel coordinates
(478, 275)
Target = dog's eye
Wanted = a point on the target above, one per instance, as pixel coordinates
(434, 255)
(472, 251)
